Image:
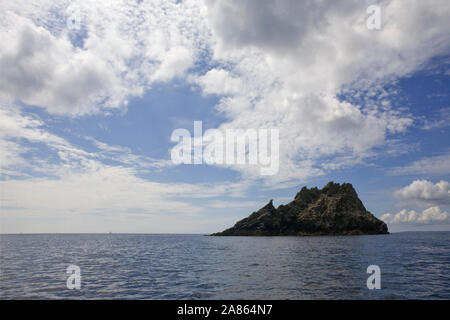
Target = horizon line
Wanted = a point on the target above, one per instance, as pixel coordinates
(167, 233)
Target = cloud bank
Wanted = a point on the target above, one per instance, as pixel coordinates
(432, 215)
(422, 193)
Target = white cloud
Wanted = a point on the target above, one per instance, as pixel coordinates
(432, 215)
(177, 61)
(125, 156)
(321, 46)
(436, 165)
(15, 129)
(10, 158)
(74, 185)
(220, 82)
(40, 69)
(96, 185)
(279, 64)
(425, 192)
(422, 193)
(94, 196)
(294, 59)
(440, 120)
(247, 205)
(125, 48)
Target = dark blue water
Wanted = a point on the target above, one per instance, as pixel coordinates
(413, 265)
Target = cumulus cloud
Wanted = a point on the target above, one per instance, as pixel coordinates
(40, 69)
(125, 47)
(278, 64)
(425, 192)
(432, 215)
(323, 45)
(219, 82)
(422, 193)
(294, 58)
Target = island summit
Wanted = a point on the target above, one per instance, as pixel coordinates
(333, 210)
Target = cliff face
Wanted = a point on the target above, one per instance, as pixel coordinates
(333, 210)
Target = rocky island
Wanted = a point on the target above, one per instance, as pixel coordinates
(333, 210)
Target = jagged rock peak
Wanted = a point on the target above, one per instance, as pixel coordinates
(333, 210)
(269, 205)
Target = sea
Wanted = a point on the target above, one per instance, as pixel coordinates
(412, 265)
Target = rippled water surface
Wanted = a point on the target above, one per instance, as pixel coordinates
(132, 266)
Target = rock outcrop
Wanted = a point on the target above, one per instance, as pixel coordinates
(334, 210)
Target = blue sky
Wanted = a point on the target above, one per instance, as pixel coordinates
(87, 112)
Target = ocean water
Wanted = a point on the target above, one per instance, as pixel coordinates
(414, 265)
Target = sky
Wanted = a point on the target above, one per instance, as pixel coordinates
(92, 91)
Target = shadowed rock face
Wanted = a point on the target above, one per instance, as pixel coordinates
(333, 210)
